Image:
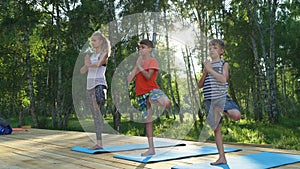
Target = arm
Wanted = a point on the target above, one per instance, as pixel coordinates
(132, 74)
(202, 79)
(87, 64)
(220, 77)
(135, 70)
(146, 74)
(103, 60)
(226, 70)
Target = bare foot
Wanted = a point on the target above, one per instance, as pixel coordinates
(147, 153)
(219, 161)
(96, 147)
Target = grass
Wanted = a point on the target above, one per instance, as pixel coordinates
(285, 135)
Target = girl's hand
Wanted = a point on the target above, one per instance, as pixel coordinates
(87, 61)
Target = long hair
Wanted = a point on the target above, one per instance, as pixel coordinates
(105, 42)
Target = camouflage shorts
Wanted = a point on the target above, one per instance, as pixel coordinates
(153, 95)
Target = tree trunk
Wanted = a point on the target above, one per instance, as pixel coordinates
(169, 61)
(116, 119)
(195, 91)
(155, 23)
(59, 102)
(111, 28)
(272, 85)
(189, 81)
(21, 114)
(177, 106)
(253, 22)
(264, 62)
(30, 79)
(258, 95)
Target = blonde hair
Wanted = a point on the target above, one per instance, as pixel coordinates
(105, 46)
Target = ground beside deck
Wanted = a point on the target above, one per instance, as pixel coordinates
(43, 149)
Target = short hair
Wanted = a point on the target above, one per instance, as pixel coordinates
(217, 42)
(147, 42)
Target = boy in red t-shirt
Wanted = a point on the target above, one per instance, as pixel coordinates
(147, 90)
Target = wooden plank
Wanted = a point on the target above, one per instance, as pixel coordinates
(50, 151)
(39, 148)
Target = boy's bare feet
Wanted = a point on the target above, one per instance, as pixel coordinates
(219, 161)
(147, 153)
(96, 147)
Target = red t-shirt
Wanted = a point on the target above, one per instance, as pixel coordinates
(142, 85)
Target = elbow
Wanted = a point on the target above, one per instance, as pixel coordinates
(200, 85)
(223, 80)
(129, 79)
(82, 71)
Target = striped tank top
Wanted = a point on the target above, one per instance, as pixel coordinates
(214, 89)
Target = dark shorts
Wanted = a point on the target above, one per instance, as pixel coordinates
(98, 93)
(228, 105)
(224, 104)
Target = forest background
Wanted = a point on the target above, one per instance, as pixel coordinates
(41, 40)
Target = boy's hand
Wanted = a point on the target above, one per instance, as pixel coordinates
(140, 62)
(132, 75)
(204, 72)
(208, 66)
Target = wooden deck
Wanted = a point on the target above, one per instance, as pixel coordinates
(43, 149)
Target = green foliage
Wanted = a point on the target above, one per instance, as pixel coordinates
(244, 132)
(285, 135)
(288, 142)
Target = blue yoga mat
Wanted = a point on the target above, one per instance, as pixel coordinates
(173, 154)
(125, 147)
(252, 161)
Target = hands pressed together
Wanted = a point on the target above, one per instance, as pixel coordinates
(87, 61)
(207, 67)
(140, 63)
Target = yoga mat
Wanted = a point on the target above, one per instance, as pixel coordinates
(173, 154)
(252, 161)
(125, 147)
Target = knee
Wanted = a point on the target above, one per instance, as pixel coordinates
(168, 104)
(218, 130)
(237, 116)
(234, 115)
(101, 101)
